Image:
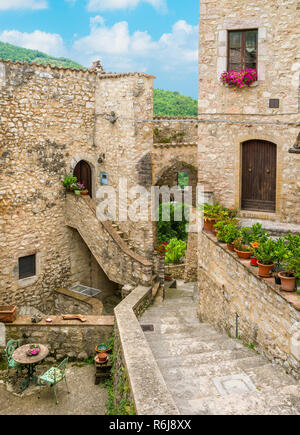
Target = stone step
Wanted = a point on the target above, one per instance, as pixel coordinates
(210, 357)
(222, 368)
(180, 334)
(191, 347)
(265, 377)
(280, 401)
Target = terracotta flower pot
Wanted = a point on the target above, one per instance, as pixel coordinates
(207, 225)
(245, 255)
(84, 192)
(264, 270)
(7, 313)
(102, 357)
(288, 283)
(230, 247)
(254, 261)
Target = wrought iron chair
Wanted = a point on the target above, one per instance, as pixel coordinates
(11, 346)
(55, 375)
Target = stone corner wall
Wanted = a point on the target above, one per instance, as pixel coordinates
(267, 317)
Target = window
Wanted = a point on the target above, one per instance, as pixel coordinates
(242, 49)
(183, 180)
(27, 266)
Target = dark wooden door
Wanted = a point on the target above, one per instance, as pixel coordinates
(259, 161)
(83, 173)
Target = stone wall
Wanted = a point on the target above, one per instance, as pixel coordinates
(175, 143)
(267, 317)
(227, 118)
(63, 338)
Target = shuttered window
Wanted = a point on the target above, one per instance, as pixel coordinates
(242, 49)
(27, 266)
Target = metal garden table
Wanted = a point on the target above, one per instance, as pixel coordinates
(30, 362)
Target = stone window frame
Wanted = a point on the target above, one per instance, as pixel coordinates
(25, 282)
(222, 44)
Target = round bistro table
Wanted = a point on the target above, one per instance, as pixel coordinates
(30, 362)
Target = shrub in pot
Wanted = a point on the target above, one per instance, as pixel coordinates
(291, 264)
(281, 254)
(70, 182)
(231, 233)
(265, 254)
(211, 214)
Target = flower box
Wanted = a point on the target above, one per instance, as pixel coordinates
(239, 79)
(7, 313)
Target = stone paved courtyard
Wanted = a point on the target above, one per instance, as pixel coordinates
(85, 397)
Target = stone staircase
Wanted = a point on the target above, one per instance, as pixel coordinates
(209, 373)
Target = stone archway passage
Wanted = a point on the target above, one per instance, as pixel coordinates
(83, 173)
(259, 168)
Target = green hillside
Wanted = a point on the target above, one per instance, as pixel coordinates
(166, 103)
(14, 53)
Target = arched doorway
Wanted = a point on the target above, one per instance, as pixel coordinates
(83, 173)
(259, 170)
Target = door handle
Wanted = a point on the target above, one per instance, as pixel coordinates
(250, 170)
(268, 171)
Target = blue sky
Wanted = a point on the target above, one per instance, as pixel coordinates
(155, 36)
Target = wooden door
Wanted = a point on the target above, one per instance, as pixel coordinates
(259, 161)
(83, 173)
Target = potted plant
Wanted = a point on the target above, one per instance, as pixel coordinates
(231, 233)
(243, 251)
(210, 215)
(265, 253)
(83, 190)
(253, 259)
(291, 264)
(69, 182)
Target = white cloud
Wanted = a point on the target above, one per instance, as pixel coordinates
(119, 49)
(23, 4)
(104, 5)
(49, 43)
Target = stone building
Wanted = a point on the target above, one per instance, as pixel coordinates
(248, 149)
(54, 122)
(99, 126)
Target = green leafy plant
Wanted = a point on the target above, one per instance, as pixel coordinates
(175, 250)
(231, 233)
(69, 182)
(173, 228)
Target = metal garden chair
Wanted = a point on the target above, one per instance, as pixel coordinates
(55, 375)
(11, 346)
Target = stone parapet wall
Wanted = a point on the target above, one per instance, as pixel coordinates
(267, 317)
(64, 338)
(148, 390)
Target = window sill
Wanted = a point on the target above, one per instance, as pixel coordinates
(26, 282)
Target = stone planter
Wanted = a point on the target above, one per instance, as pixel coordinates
(288, 283)
(264, 270)
(7, 313)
